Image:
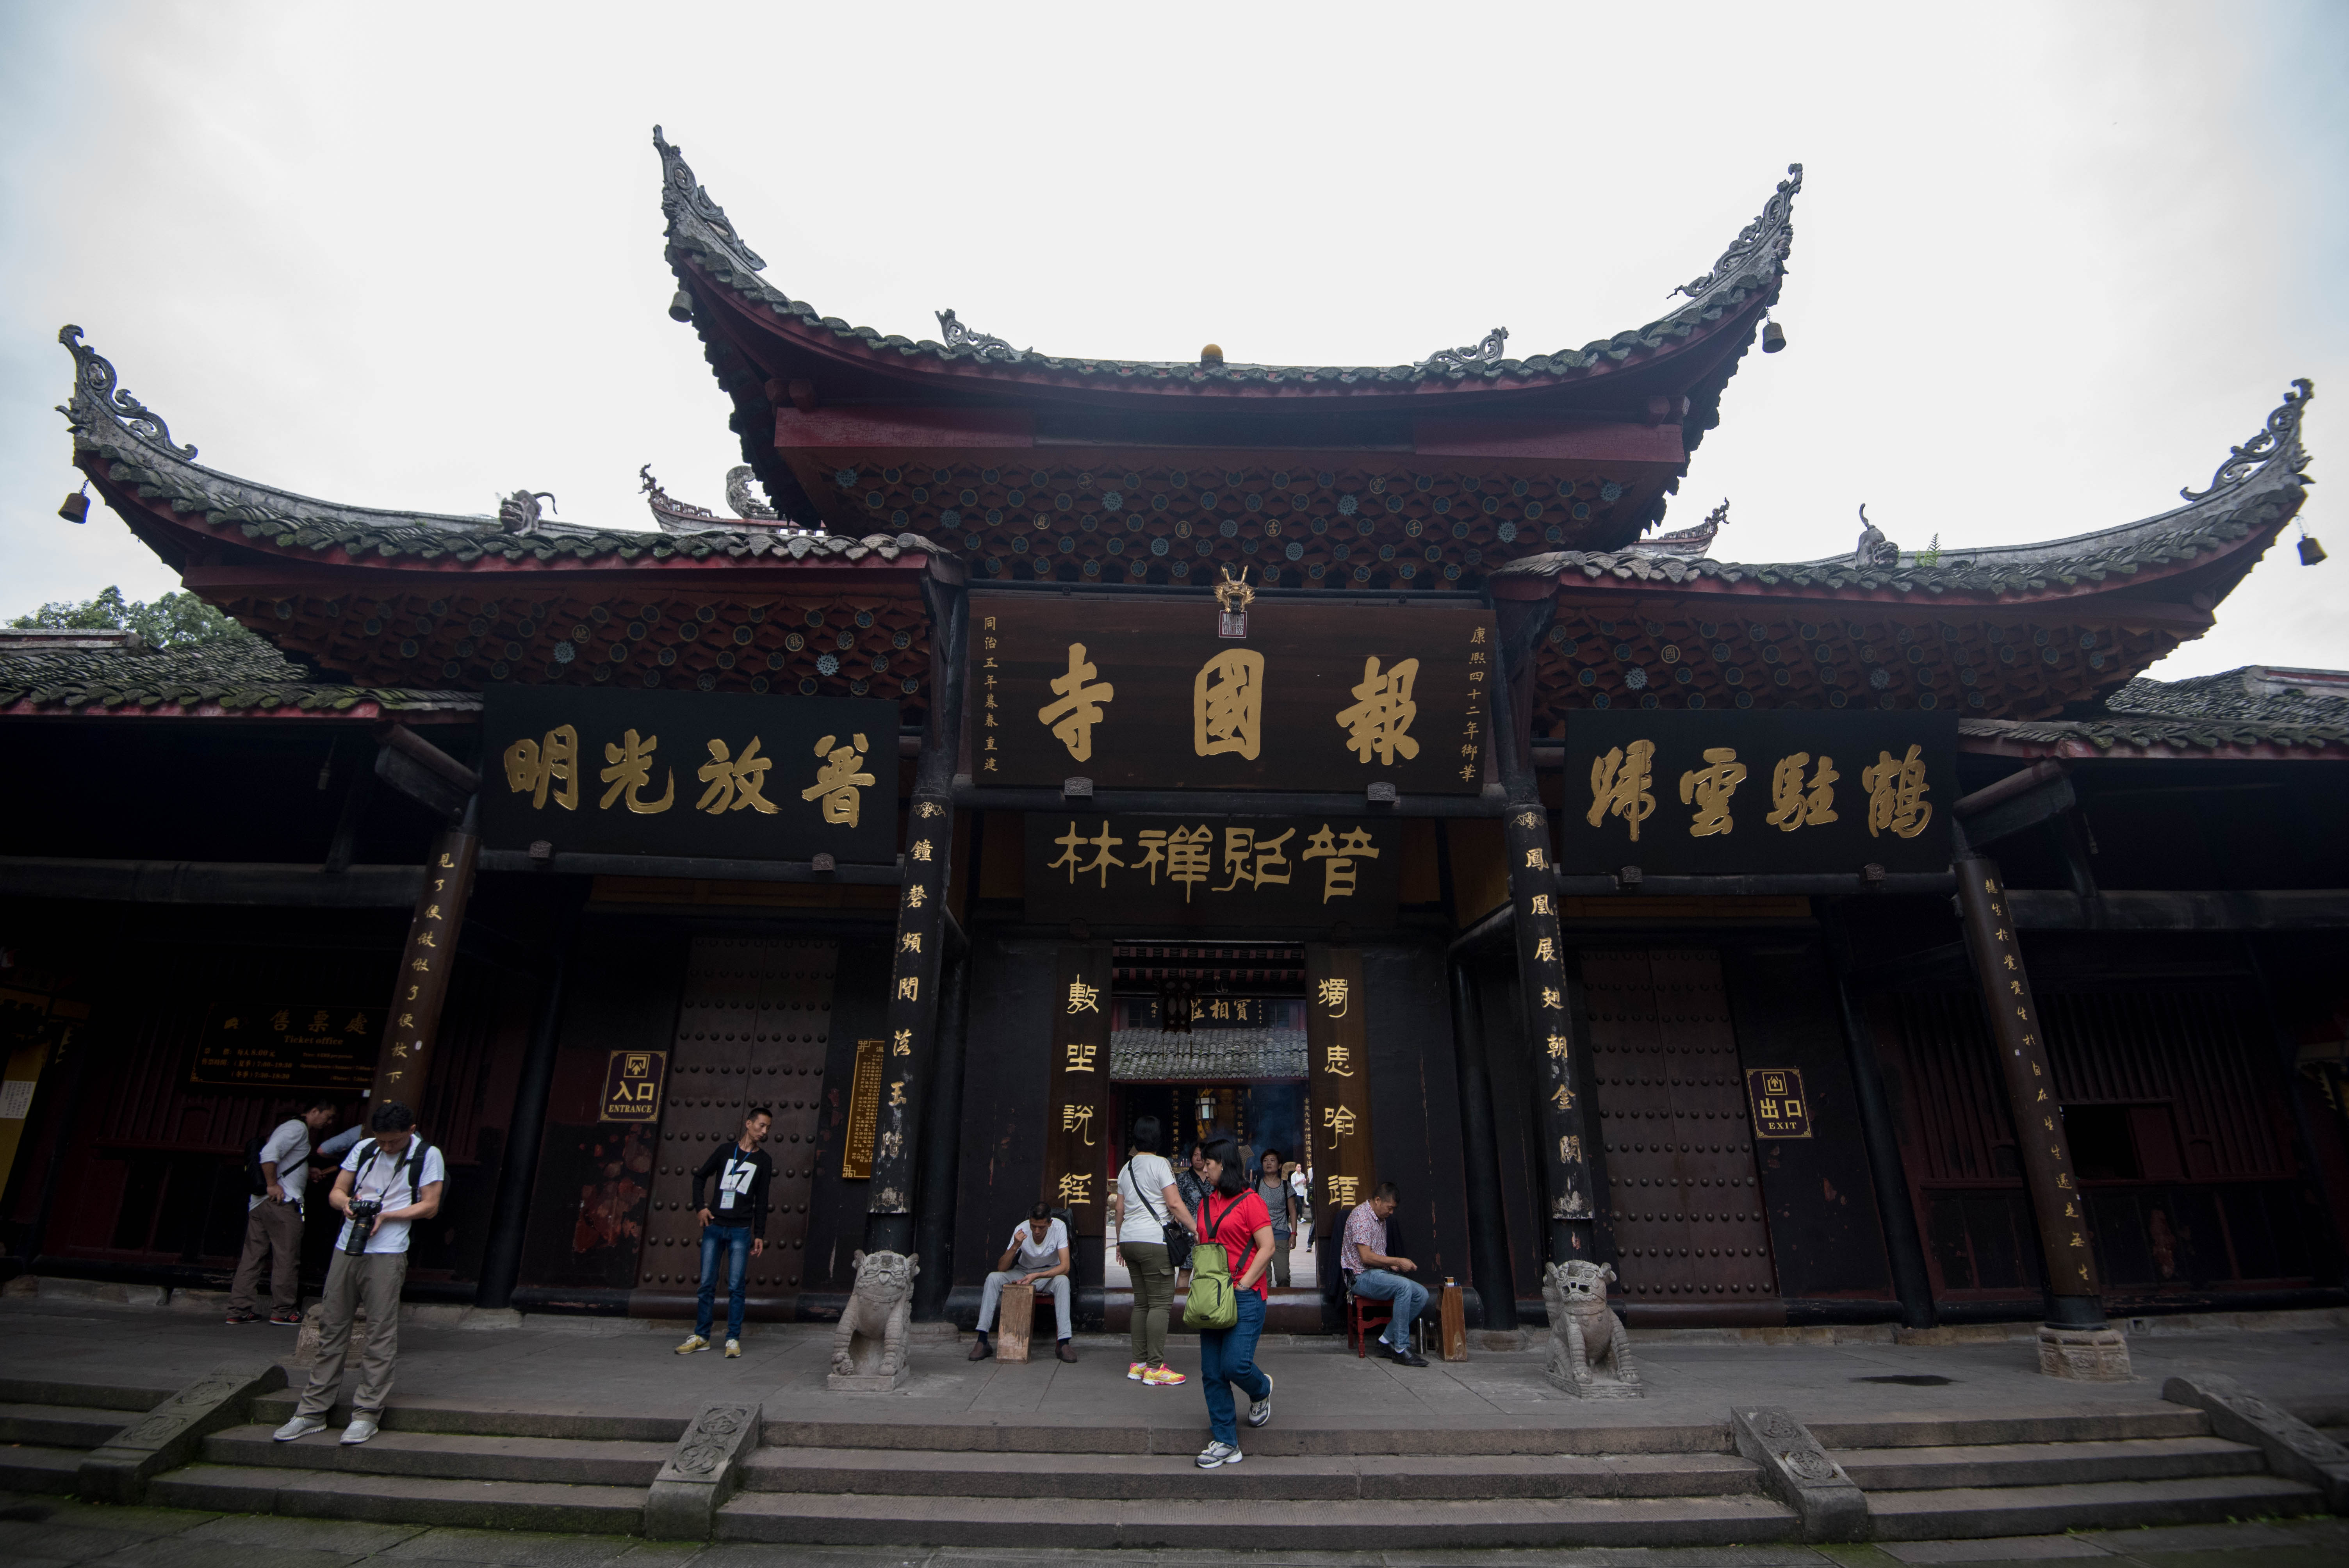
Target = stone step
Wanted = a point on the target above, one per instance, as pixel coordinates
(61, 1426)
(82, 1396)
(446, 1454)
(1216, 1515)
(884, 1472)
(1974, 1512)
(429, 1415)
(31, 1467)
(1898, 1430)
(400, 1498)
(1185, 1437)
(2048, 1464)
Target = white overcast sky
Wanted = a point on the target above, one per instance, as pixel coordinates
(2050, 262)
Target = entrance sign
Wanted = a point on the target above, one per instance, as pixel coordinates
(721, 775)
(632, 1086)
(1148, 695)
(280, 1046)
(1214, 870)
(1781, 790)
(1780, 1108)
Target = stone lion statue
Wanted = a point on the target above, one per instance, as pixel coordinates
(1590, 1353)
(870, 1341)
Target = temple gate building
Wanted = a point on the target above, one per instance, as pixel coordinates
(1347, 760)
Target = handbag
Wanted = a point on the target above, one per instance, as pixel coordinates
(1178, 1240)
(1212, 1303)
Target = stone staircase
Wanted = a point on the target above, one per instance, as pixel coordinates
(47, 1427)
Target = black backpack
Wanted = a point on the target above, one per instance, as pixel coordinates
(412, 1162)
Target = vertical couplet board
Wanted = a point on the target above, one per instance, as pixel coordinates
(2022, 1043)
(1337, 1063)
(752, 1029)
(412, 1026)
(1684, 1192)
(1076, 1117)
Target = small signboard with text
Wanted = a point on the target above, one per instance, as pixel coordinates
(282, 1045)
(720, 774)
(1783, 790)
(863, 1113)
(1214, 870)
(632, 1086)
(1780, 1108)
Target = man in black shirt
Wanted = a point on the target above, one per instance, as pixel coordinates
(734, 1221)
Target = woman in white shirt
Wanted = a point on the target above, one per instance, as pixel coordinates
(1145, 1201)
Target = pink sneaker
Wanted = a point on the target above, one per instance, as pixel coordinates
(1164, 1377)
(1135, 1369)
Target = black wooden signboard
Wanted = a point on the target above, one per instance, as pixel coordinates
(284, 1046)
(1777, 791)
(1214, 870)
(1148, 695)
(720, 775)
(632, 1086)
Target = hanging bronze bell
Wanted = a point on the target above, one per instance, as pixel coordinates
(680, 306)
(76, 507)
(2310, 552)
(1773, 337)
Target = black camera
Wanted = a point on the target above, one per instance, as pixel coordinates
(362, 1226)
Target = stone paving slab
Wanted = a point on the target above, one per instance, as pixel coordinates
(546, 1366)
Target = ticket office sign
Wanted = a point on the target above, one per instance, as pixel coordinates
(715, 774)
(1732, 794)
(1149, 695)
(1214, 870)
(282, 1046)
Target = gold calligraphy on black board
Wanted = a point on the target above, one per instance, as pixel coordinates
(1214, 870)
(1144, 693)
(1781, 1110)
(714, 774)
(1076, 1109)
(286, 1045)
(1749, 792)
(632, 1086)
(863, 1113)
(1338, 1085)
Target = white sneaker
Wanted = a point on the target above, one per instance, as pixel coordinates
(1218, 1453)
(299, 1427)
(1261, 1411)
(361, 1428)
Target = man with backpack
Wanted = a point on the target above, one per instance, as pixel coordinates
(386, 1183)
(277, 1171)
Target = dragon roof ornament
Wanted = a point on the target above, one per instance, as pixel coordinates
(980, 345)
(687, 206)
(2277, 440)
(1762, 245)
(1486, 352)
(97, 394)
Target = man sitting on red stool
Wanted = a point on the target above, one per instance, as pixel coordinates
(1374, 1276)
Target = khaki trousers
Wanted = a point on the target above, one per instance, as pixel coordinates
(273, 1235)
(372, 1282)
(1154, 1294)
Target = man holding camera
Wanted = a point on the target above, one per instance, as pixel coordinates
(386, 1183)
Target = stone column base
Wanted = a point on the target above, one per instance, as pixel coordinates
(2085, 1355)
(939, 1333)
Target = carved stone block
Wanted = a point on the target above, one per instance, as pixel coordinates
(701, 1473)
(1589, 1349)
(869, 1352)
(2295, 1450)
(1015, 1322)
(1798, 1472)
(117, 1470)
(2083, 1355)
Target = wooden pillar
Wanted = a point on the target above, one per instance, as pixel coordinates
(2075, 1341)
(1337, 1063)
(1541, 969)
(413, 1028)
(918, 944)
(1076, 1109)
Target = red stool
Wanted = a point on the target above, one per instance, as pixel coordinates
(1361, 1317)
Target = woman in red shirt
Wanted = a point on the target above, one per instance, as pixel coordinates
(1236, 1217)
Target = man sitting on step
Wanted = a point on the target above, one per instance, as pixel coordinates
(1038, 1256)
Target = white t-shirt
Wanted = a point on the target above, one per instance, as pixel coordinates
(383, 1181)
(288, 1148)
(1035, 1254)
(1144, 1176)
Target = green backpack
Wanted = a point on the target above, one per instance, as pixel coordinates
(1211, 1304)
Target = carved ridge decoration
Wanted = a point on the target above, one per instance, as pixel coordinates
(687, 204)
(1762, 245)
(1486, 352)
(2277, 441)
(96, 386)
(979, 345)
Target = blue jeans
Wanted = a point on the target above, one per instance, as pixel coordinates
(1410, 1298)
(736, 1240)
(1228, 1355)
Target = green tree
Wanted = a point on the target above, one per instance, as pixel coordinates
(172, 620)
